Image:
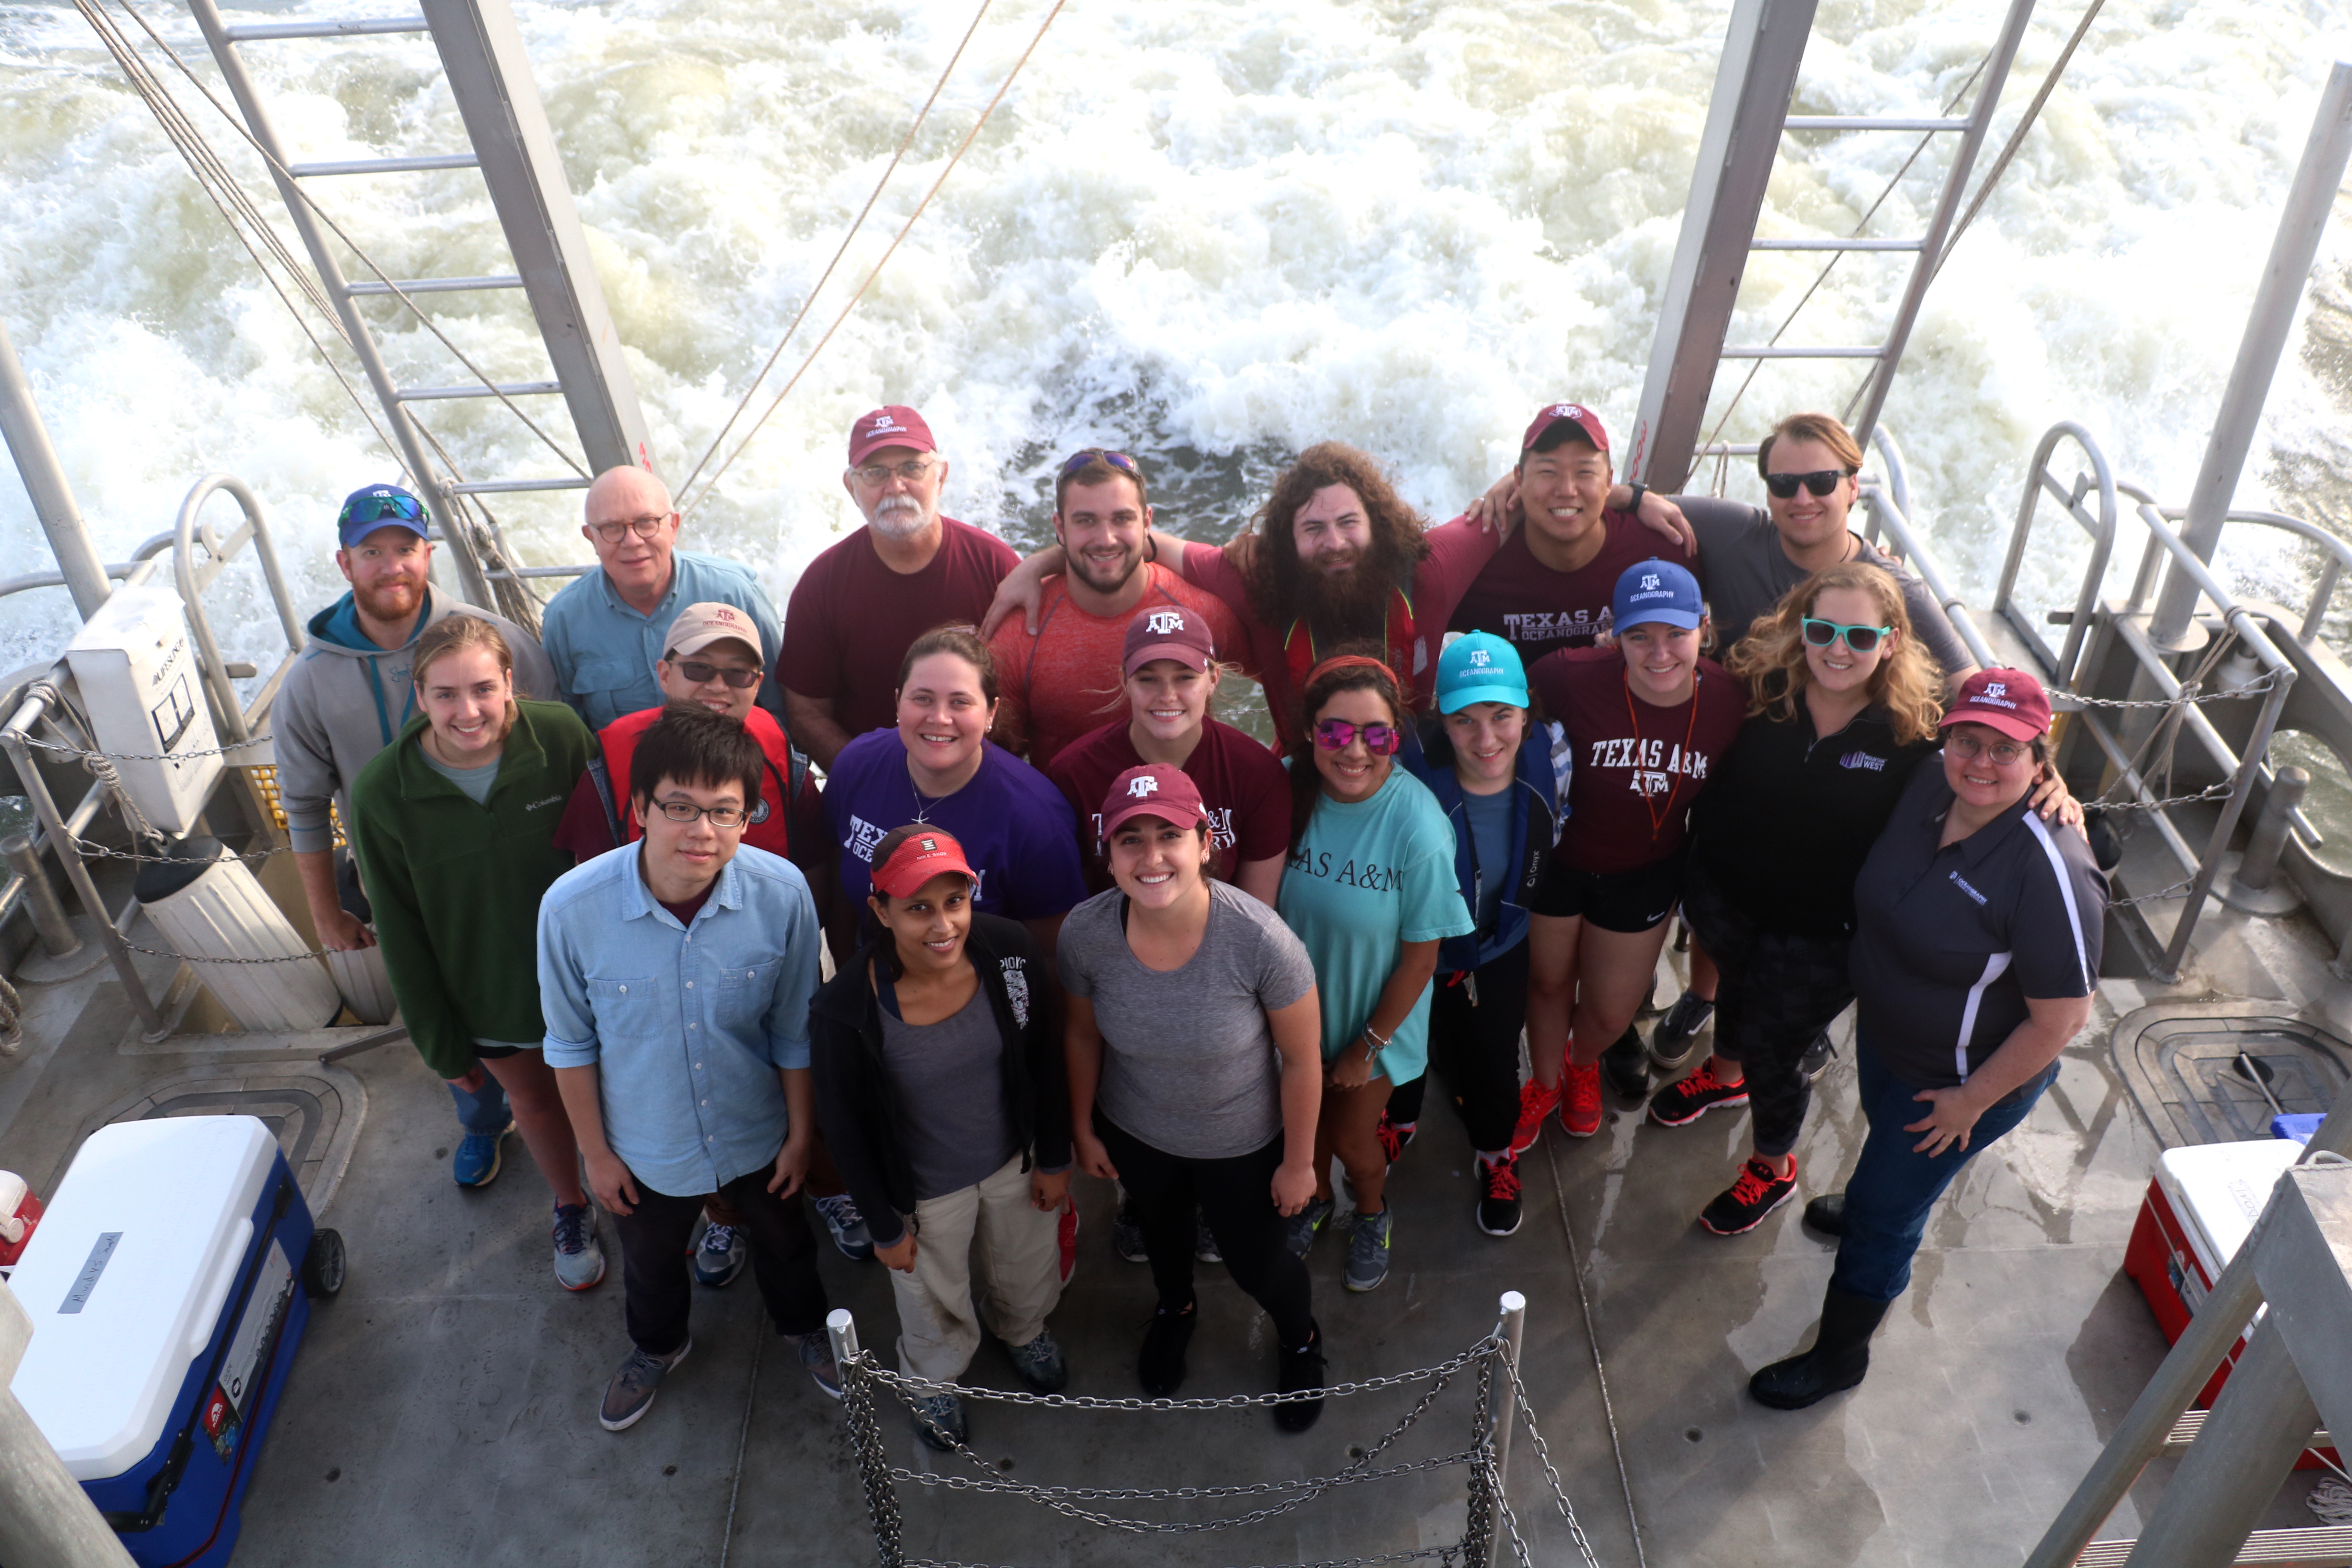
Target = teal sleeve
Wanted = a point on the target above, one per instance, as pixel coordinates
(1430, 906)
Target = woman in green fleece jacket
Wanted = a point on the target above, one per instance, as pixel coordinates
(457, 821)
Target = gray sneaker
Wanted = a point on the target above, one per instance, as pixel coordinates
(815, 1352)
(1368, 1250)
(631, 1393)
(1039, 1363)
(848, 1227)
(939, 1421)
(1306, 1222)
(579, 1260)
(1205, 1243)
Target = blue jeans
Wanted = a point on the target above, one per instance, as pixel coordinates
(485, 1111)
(1892, 1189)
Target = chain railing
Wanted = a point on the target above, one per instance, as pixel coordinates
(1499, 1403)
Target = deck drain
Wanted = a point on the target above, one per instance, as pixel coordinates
(315, 1111)
(2219, 1077)
(1692, 1435)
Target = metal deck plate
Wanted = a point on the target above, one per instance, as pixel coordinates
(2183, 1070)
(315, 1111)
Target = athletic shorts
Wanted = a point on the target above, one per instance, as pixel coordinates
(1629, 902)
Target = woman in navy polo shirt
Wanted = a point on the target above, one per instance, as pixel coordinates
(939, 768)
(1975, 953)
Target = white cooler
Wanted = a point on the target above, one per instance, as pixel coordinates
(163, 1288)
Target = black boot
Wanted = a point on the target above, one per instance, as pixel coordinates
(1840, 1356)
(1626, 1064)
(1299, 1377)
(1826, 1214)
(1161, 1367)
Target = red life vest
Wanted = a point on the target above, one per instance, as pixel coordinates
(619, 739)
(1300, 654)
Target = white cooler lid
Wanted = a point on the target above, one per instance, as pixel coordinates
(116, 1322)
(2219, 1190)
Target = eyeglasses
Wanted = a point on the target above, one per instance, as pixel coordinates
(720, 815)
(1967, 748)
(1862, 639)
(1820, 482)
(1380, 740)
(643, 527)
(878, 474)
(702, 672)
(375, 509)
(1118, 460)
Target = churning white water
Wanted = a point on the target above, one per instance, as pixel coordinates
(1207, 231)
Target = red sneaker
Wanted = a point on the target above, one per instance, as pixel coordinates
(1686, 1099)
(1536, 1102)
(1580, 1105)
(1395, 1136)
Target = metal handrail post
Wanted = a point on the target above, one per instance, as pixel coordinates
(200, 621)
(58, 938)
(2302, 220)
(2223, 1316)
(45, 1516)
(865, 1439)
(84, 576)
(2103, 540)
(118, 953)
(2209, 865)
(1507, 1407)
(1890, 516)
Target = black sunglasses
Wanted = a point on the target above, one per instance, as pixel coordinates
(1820, 482)
(374, 508)
(700, 671)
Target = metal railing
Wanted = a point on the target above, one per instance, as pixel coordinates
(194, 576)
(1886, 498)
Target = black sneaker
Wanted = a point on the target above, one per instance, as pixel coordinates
(1826, 1214)
(1756, 1194)
(1127, 1234)
(1299, 1373)
(1626, 1066)
(1677, 1032)
(1161, 1366)
(1816, 1059)
(1499, 1196)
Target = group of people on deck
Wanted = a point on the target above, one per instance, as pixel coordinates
(1073, 922)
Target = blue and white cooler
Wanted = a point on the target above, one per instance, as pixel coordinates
(167, 1286)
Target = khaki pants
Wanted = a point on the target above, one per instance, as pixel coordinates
(989, 1230)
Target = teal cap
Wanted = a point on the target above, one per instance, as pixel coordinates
(1479, 666)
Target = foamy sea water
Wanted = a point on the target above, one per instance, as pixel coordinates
(1206, 232)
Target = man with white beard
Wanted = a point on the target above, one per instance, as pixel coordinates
(863, 602)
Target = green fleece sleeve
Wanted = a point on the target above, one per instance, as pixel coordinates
(426, 1006)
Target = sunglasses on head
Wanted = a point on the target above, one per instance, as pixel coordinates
(375, 509)
(700, 671)
(1118, 460)
(1861, 640)
(1380, 740)
(1820, 482)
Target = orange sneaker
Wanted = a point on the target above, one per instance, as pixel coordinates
(1536, 1102)
(1580, 1105)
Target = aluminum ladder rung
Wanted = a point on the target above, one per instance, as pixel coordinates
(1870, 122)
(432, 285)
(263, 32)
(1765, 352)
(2184, 1432)
(1836, 243)
(505, 388)
(508, 487)
(2321, 1546)
(385, 165)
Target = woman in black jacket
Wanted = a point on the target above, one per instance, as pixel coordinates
(941, 1092)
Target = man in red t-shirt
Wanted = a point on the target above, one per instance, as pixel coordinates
(1061, 683)
(1550, 585)
(863, 601)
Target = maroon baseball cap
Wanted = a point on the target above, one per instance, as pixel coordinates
(2008, 700)
(920, 857)
(1168, 631)
(895, 426)
(1576, 414)
(1157, 790)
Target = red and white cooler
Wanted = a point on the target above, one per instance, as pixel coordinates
(167, 1286)
(2199, 1211)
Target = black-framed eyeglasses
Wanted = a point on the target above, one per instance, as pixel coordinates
(1820, 482)
(720, 816)
(1380, 740)
(399, 505)
(912, 470)
(1862, 639)
(643, 527)
(1118, 460)
(701, 672)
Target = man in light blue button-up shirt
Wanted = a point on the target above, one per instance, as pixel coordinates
(604, 631)
(676, 973)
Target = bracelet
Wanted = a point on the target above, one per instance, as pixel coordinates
(1378, 1044)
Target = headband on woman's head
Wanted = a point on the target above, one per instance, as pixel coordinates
(1351, 661)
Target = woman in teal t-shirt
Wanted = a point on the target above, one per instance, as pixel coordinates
(1369, 888)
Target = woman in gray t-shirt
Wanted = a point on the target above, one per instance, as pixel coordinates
(1194, 1044)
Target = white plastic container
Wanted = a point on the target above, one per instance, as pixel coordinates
(365, 984)
(2218, 1190)
(217, 909)
(137, 676)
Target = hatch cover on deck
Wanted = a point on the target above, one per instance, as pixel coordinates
(315, 1111)
(2183, 1069)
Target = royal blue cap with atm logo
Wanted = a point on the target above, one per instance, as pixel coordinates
(1657, 590)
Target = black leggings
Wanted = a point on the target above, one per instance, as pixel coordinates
(1474, 1020)
(1236, 1196)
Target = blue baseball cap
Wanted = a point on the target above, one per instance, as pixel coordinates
(1656, 590)
(1479, 666)
(371, 507)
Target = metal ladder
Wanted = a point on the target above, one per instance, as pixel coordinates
(1746, 119)
(489, 75)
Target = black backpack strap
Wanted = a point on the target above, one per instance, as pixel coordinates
(602, 777)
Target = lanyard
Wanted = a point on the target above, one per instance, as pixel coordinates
(1660, 815)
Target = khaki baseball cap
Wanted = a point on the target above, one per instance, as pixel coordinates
(699, 625)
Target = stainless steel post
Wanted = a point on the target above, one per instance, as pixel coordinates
(2260, 866)
(45, 481)
(1507, 1404)
(58, 938)
(865, 1439)
(45, 1516)
(2301, 222)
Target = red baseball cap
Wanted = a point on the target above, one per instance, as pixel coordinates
(1168, 631)
(893, 426)
(920, 857)
(2008, 700)
(1157, 790)
(1576, 414)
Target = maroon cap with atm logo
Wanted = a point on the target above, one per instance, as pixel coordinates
(1576, 414)
(895, 426)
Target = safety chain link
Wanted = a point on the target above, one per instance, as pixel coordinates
(872, 1457)
(2190, 695)
(2173, 891)
(88, 851)
(1526, 1414)
(189, 958)
(906, 1384)
(1175, 1494)
(86, 757)
(2211, 792)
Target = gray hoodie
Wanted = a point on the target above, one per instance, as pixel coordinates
(343, 703)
